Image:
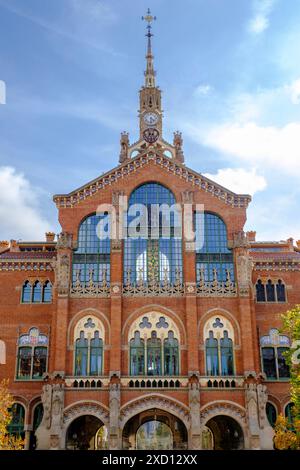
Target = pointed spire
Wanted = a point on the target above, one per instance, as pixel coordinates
(150, 72)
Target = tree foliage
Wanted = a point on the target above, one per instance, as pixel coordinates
(7, 441)
(287, 434)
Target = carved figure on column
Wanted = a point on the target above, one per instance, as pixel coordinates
(114, 415)
(124, 142)
(194, 404)
(57, 405)
(252, 410)
(244, 272)
(47, 405)
(63, 273)
(178, 142)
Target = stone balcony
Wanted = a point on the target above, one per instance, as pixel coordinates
(224, 382)
(155, 382)
(87, 382)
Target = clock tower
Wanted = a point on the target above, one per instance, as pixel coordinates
(150, 112)
(150, 115)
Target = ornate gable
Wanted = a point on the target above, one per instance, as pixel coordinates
(154, 156)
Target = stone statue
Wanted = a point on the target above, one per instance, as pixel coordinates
(252, 409)
(63, 274)
(244, 271)
(124, 142)
(178, 142)
(46, 400)
(57, 405)
(262, 397)
(64, 240)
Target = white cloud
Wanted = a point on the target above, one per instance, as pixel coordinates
(239, 180)
(261, 12)
(277, 147)
(19, 211)
(203, 89)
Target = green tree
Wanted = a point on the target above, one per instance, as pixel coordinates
(7, 441)
(287, 434)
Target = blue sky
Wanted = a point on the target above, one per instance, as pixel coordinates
(230, 75)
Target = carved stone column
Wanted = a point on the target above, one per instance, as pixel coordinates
(49, 432)
(244, 265)
(194, 404)
(63, 279)
(114, 414)
(260, 431)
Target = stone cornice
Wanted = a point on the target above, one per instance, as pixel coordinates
(151, 155)
(28, 265)
(277, 266)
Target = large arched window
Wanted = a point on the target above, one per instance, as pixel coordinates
(219, 342)
(88, 337)
(153, 247)
(16, 426)
(273, 347)
(32, 355)
(154, 346)
(212, 252)
(91, 259)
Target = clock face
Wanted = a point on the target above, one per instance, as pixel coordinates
(150, 119)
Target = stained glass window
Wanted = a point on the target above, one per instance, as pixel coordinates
(137, 355)
(32, 355)
(92, 256)
(273, 348)
(212, 355)
(226, 355)
(88, 355)
(81, 355)
(212, 252)
(171, 355)
(154, 252)
(154, 355)
(96, 346)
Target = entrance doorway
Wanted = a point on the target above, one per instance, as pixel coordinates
(87, 433)
(154, 429)
(226, 432)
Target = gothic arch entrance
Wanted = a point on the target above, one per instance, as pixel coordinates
(227, 433)
(87, 432)
(154, 429)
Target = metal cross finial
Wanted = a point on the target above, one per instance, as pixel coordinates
(149, 18)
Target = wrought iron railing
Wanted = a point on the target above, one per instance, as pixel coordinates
(148, 287)
(90, 288)
(215, 287)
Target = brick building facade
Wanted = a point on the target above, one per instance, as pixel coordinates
(141, 343)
